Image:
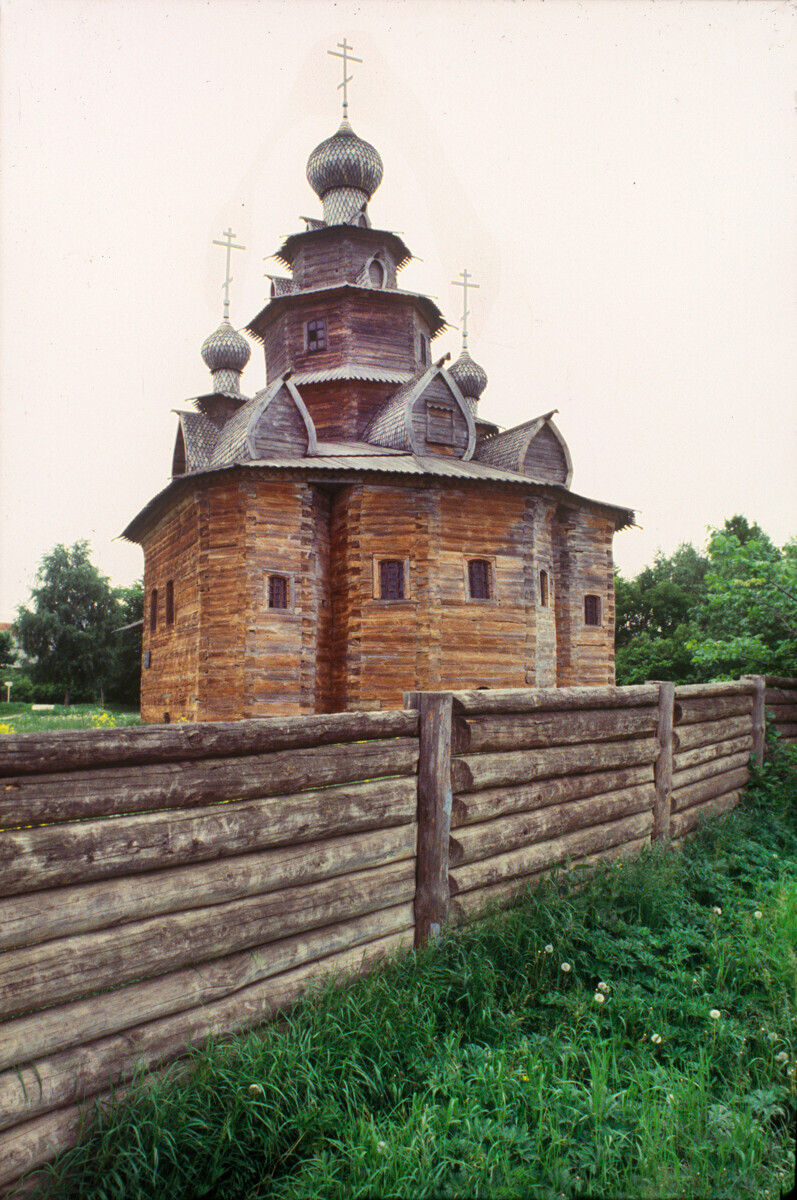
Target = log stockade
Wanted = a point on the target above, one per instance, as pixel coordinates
(162, 884)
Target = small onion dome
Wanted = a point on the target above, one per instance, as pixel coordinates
(226, 349)
(344, 160)
(470, 378)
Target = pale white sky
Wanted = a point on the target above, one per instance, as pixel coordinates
(618, 175)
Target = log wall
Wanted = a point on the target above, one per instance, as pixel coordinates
(780, 702)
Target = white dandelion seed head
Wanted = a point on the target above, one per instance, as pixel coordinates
(255, 1088)
(566, 967)
(549, 949)
(782, 1057)
(599, 998)
(603, 987)
(715, 1014)
(656, 1039)
(716, 909)
(758, 914)
(772, 1037)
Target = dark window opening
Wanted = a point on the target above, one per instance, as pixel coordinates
(391, 579)
(479, 579)
(424, 350)
(544, 589)
(153, 610)
(317, 335)
(440, 424)
(277, 591)
(592, 610)
(170, 602)
(376, 273)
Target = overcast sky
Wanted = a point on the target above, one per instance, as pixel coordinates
(618, 177)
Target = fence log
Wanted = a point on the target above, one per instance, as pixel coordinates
(71, 967)
(473, 807)
(508, 833)
(784, 713)
(31, 800)
(702, 734)
(712, 750)
(36, 1142)
(434, 813)
(477, 771)
(53, 856)
(776, 695)
(74, 749)
(691, 712)
(779, 681)
(541, 855)
(664, 762)
(27, 920)
(478, 734)
(758, 718)
(697, 793)
(686, 820)
(707, 770)
(688, 691)
(514, 700)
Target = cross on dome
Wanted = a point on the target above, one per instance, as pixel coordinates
(464, 284)
(228, 236)
(347, 58)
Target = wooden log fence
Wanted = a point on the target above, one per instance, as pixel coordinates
(161, 884)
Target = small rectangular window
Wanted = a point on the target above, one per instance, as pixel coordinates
(170, 602)
(544, 589)
(153, 609)
(316, 335)
(480, 579)
(391, 579)
(424, 350)
(592, 610)
(277, 591)
(440, 424)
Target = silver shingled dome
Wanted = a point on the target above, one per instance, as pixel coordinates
(470, 378)
(344, 160)
(226, 349)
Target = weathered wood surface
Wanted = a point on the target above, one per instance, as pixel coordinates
(664, 762)
(691, 712)
(89, 1069)
(78, 749)
(54, 856)
(27, 920)
(712, 750)
(68, 968)
(686, 820)
(787, 731)
(39, 799)
(687, 737)
(480, 734)
(475, 842)
(434, 815)
(784, 714)
(775, 695)
(710, 769)
(518, 700)
(542, 855)
(707, 789)
(789, 682)
(476, 771)
(472, 807)
(691, 691)
(30, 1145)
(26, 1043)
(758, 718)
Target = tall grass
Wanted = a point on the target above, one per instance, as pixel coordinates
(20, 718)
(485, 1067)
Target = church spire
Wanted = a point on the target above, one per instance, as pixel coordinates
(226, 352)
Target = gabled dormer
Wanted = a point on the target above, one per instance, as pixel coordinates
(427, 416)
(536, 449)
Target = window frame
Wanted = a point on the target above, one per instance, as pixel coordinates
(317, 323)
(448, 439)
(598, 607)
(378, 559)
(544, 584)
(170, 608)
(153, 610)
(467, 559)
(289, 577)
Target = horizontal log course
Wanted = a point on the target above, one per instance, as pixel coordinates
(691, 712)
(775, 695)
(544, 855)
(24, 1043)
(28, 920)
(54, 856)
(500, 836)
(519, 700)
(707, 789)
(48, 799)
(712, 750)
(68, 968)
(686, 737)
(787, 731)
(782, 713)
(78, 749)
(473, 807)
(708, 770)
(90, 1069)
(686, 820)
(473, 772)
(34, 1143)
(694, 691)
(789, 682)
(478, 734)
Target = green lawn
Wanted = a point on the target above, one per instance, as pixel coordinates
(20, 718)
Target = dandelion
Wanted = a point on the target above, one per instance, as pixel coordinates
(670, 1099)
(381, 1147)
(782, 1057)
(599, 998)
(716, 909)
(566, 967)
(525, 1078)
(549, 949)
(758, 914)
(255, 1088)
(715, 1014)
(772, 1037)
(656, 1039)
(603, 987)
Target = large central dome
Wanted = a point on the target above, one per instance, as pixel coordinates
(344, 160)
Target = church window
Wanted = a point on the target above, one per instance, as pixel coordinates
(440, 424)
(170, 602)
(278, 591)
(391, 579)
(376, 273)
(424, 349)
(153, 609)
(480, 579)
(592, 610)
(316, 335)
(544, 589)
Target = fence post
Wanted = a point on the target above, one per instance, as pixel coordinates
(663, 770)
(434, 812)
(759, 720)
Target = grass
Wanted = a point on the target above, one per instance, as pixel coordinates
(19, 718)
(485, 1068)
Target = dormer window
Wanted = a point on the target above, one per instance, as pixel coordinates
(376, 273)
(440, 424)
(316, 335)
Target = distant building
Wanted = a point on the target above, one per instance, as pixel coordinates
(357, 528)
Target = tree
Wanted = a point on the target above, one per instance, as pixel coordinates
(67, 630)
(124, 683)
(7, 653)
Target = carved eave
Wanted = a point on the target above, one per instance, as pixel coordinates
(431, 313)
(291, 246)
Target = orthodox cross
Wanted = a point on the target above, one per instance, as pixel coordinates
(228, 236)
(347, 58)
(464, 283)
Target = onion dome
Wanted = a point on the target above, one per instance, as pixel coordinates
(470, 378)
(226, 352)
(344, 172)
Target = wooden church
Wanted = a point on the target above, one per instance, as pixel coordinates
(358, 529)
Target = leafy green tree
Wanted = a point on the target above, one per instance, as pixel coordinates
(67, 630)
(7, 652)
(125, 681)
